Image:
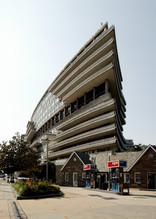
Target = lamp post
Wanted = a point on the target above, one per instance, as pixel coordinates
(47, 138)
(47, 158)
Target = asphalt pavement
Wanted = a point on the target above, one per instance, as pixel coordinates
(80, 203)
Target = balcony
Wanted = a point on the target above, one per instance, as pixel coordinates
(100, 144)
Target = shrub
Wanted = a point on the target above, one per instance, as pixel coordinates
(36, 188)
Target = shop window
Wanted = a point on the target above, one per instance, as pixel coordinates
(66, 176)
(126, 178)
(83, 176)
(137, 177)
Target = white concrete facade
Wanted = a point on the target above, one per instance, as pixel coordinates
(84, 106)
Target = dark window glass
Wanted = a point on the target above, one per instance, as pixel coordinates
(80, 102)
(73, 107)
(57, 117)
(67, 110)
(100, 90)
(89, 97)
(62, 114)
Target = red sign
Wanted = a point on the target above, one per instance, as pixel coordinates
(89, 167)
(113, 163)
(86, 167)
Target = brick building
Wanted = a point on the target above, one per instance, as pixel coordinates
(140, 171)
(143, 170)
(72, 173)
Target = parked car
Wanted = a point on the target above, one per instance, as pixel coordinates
(2, 175)
(12, 180)
(18, 178)
(21, 179)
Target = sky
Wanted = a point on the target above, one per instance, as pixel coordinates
(39, 37)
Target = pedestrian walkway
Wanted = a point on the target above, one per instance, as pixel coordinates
(6, 198)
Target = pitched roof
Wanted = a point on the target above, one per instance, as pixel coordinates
(143, 152)
(103, 158)
(84, 158)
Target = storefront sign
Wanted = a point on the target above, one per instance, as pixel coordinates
(117, 163)
(113, 164)
(122, 163)
(89, 167)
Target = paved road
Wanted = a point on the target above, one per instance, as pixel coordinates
(81, 203)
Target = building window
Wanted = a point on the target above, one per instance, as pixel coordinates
(126, 178)
(137, 178)
(67, 110)
(66, 177)
(73, 107)
(83, 176)
(80, 102)
(89, 96)
(100, 90)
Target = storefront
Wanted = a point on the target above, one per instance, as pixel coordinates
(93, 171)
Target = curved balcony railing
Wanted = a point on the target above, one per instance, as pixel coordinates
(100, 144)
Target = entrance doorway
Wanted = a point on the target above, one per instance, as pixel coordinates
(151, 180)
(75, 179)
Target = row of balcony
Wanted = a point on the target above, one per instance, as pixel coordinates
(102, 144)
(104, 49)
(89, 97)
(88, 48)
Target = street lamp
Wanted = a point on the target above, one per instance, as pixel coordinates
(47, 158)
(47, 138)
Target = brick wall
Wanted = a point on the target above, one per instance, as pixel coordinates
(59, 175)
(145, 165)
(74, 165)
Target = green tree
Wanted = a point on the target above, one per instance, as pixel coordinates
(7, 157)
(136, 148)
(17, 155)
(141, 147)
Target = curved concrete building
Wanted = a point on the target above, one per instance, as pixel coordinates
(84, 107)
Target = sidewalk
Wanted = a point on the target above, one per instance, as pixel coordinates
(6, 198)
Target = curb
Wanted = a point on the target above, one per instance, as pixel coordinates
(18, 197)
(16, 211)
